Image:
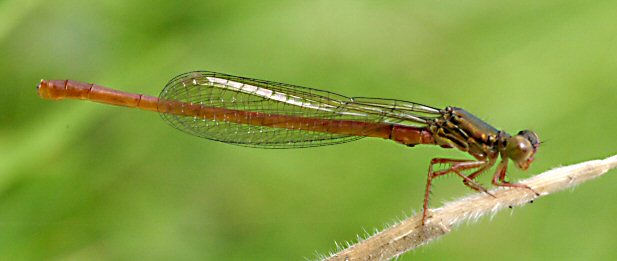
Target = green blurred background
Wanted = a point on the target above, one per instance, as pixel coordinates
(84, 181)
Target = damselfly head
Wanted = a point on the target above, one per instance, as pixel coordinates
(522, 147)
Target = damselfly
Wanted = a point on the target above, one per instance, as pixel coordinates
(265, 114)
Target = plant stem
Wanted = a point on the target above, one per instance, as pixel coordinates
(410, 234)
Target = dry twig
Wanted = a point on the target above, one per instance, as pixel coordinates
(409, 233)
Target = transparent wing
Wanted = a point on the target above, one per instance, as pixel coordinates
(265, 114)
(398, 111)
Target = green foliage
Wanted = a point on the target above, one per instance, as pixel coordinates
(87, 181)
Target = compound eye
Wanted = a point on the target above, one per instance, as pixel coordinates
(531, 136)
(520, 150)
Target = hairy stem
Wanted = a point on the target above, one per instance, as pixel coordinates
(410, 234)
